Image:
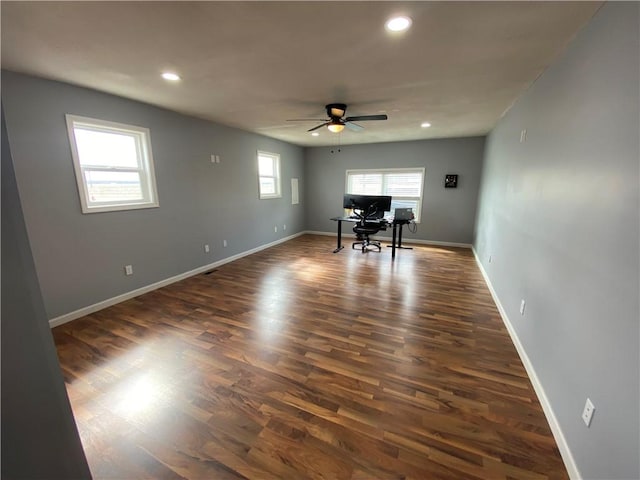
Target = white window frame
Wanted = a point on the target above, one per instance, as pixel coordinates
(145, 168)
(275, 158)
(384, 171)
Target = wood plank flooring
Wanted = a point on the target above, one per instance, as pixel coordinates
(297, 363)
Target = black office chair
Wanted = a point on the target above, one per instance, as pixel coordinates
(363, 231)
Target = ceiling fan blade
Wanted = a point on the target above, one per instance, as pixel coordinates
(354, 127)
(319, 126)
(307, 120)
(361, 118)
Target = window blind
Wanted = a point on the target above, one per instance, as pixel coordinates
(403, 184)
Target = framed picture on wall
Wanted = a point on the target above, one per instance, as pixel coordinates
(450, 181)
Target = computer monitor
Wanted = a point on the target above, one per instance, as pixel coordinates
(369, 206)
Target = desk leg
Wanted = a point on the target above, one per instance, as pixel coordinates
(393, 242)
(400, 240)
(339, 246)
(399, 245)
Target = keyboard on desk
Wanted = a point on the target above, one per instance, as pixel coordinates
(371, 220)
(380, 221)
(383, 221)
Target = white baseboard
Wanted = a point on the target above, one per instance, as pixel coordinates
(437, 243)
(326, 234)
(563, 446)
(404, 240)
(67, 317)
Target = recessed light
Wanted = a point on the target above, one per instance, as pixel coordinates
(315, 134)
(172, 77)
(425, 125)
(398, 24)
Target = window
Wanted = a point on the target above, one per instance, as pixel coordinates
(113, 164)
(269, 175)
(403, 184)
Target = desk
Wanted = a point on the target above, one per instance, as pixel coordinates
(394, 224)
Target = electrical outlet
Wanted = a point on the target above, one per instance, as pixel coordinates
(128, 270)
(275, 229)
(284, 227)
(523, 136)
(213, 159)
(522, 304)
(206, 248)
(587, 413)
(224, 243)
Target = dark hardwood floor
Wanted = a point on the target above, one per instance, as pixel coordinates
(297, 363)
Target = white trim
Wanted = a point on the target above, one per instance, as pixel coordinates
(558, 435)
(404, 240)
(54, 322)
(145, 167)
(326, 234)
(436, 243)
(275, 158)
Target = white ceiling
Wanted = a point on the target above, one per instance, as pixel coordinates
(253, 65)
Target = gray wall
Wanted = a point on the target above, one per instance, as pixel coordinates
(80, 258)
(559, 215)
(448, 215)
(39, 435)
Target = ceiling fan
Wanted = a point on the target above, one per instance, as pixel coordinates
(337, 120)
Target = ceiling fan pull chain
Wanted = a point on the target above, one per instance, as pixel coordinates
(339, 145)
